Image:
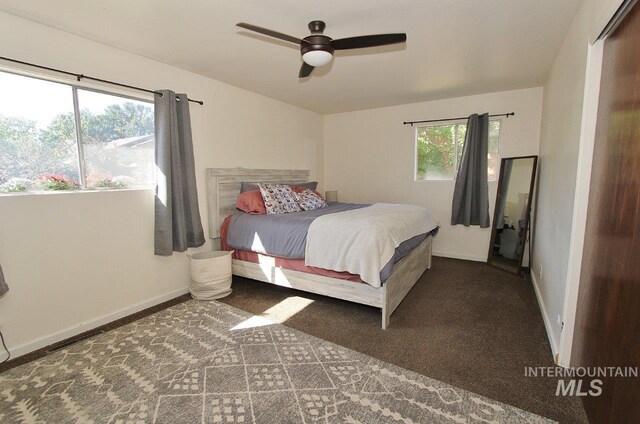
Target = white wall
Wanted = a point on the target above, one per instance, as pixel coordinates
(369, 157)
(79, 258)
(559, 152)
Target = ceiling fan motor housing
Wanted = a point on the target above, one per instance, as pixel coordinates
(317, 49)
(316, 42)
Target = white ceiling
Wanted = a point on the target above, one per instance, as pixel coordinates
(454, 47)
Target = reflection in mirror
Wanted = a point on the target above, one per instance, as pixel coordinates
(512, 213)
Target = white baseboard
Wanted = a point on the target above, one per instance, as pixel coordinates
(458, 256)
(545, 317)
(90, 325)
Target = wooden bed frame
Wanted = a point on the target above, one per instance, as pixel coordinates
(223, 189)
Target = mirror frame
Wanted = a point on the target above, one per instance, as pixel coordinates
(534, 169)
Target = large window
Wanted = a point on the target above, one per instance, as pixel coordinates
(60, 137)
(439, 149)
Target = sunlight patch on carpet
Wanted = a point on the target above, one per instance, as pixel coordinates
(276, 314)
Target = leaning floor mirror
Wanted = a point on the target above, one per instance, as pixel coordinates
(512, 214)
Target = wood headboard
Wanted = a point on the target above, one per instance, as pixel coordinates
(223, 189)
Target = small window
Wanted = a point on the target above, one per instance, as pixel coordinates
(56, 136)
(439, 149)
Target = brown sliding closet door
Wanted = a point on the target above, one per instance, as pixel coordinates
(608, 318)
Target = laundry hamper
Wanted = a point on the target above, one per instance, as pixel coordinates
(210, 275)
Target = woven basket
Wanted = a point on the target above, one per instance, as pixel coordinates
(210, 275)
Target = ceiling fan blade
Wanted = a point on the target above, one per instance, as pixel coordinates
(271, 33)
(305, 70)
(368, 41)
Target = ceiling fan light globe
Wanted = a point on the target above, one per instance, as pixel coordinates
(317, 58)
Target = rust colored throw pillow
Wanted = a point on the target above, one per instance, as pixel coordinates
(251, 202)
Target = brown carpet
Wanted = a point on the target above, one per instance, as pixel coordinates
(464, 323)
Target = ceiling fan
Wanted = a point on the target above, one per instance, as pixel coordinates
(317, 49)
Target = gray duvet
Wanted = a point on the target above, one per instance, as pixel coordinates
(285, 235)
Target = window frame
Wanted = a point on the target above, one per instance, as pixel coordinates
(78, 129)
(442, 124)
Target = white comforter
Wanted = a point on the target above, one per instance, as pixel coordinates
(362, 241)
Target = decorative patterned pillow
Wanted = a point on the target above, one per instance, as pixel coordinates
(279, 198)
(298, 190)
(309, 200)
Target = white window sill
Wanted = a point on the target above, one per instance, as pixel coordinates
(433, 181)
(83, 191)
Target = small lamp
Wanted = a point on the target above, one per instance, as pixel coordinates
(331, 195)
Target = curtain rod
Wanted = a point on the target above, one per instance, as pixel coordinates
(79, 77)
(454, 119)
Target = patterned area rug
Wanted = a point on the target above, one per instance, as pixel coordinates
(206, 362)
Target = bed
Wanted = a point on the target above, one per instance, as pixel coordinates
(223, 189)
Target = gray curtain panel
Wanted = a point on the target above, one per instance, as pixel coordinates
(3, 284)
(471, 193)
(177, 217)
